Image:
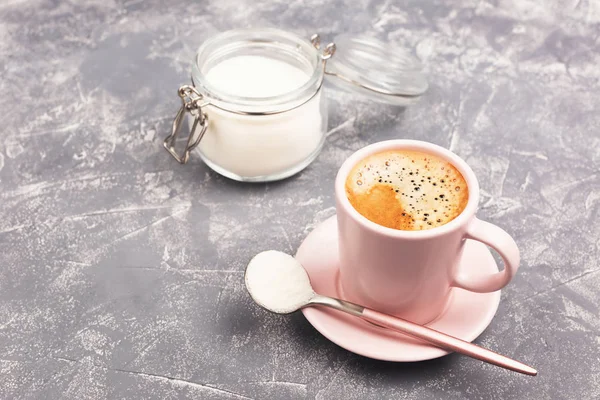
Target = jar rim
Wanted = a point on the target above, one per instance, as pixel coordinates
(236, 40)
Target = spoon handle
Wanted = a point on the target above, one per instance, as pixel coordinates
(446, 341)
(432, 336)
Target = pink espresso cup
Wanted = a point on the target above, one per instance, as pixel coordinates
(410, 274)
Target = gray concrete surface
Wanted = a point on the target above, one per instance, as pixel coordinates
(121, 271)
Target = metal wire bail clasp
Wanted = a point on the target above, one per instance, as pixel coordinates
(327, 53)
(192, 102)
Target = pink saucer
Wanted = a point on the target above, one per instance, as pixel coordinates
(466, 316)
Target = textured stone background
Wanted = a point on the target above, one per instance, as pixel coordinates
(121, 271)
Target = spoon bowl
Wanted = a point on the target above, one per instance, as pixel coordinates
(278, 282)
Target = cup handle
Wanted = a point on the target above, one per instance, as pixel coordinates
(500, 241)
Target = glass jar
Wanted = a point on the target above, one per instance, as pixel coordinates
(257, 102)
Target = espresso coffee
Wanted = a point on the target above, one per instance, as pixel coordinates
(407, 190)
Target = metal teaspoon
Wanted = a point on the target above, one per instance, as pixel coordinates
(278, 282)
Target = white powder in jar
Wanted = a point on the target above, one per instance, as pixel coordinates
(261, 145)
(256, 76)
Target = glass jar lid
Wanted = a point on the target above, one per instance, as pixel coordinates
(382, 72)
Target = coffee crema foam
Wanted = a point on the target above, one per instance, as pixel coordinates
(407, 190)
